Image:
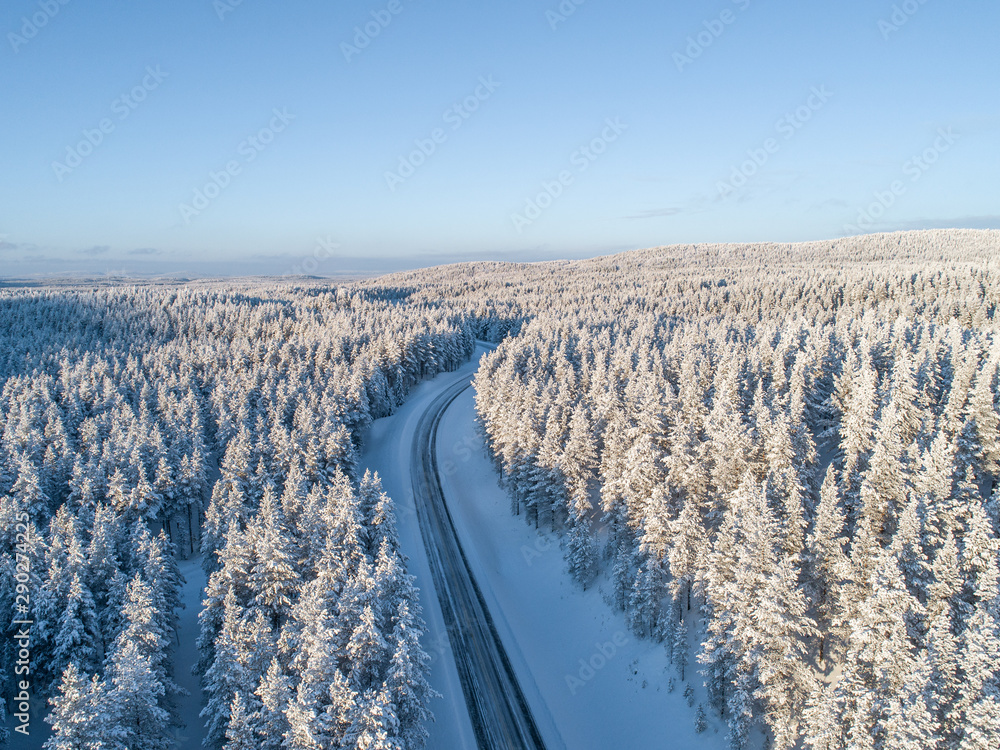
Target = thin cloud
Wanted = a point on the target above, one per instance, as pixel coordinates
(656, 212)
(144, 251)
(95, 250)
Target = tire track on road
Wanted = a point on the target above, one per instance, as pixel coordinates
(501, 717)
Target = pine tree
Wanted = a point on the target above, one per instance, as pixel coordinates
(231, 670)
(377, 515)
(144, 500)
(825, 561)
(68, 624)
(906, 399)
(679, 646)
(274, 580)
(367, 650)
(119, 495)
(622, 571)
(824, 729)
(909, 724)
(984, 416)
(779, 653)
(581, 554)
(317, 709)
(980, 547)
(227, 513)
(144, 627)
(688, 549)
(103, 560)
(942, 675)
(293, 498)
(76, 641)
(28, 493)
(240, 734)
(643, 473)
(723, 600)
(858, 431)
(739, 706)
(880, 658)
(135, 674)
(729, 434)
(884, 486)
(644, 603)
(80, 717)
(946, 586)
(700, 720)
(373, 723)
(964, 362)
(580, 462)
(274, 693)
(231, 577)
(935, 483)
(82, 487)
(908, 545)
(134, 699)
(406, 677)
(156, 559)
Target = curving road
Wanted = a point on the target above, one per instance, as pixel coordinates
(499, 712)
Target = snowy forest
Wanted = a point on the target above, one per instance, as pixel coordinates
(144, 424)
(792, 456)
(780, 462)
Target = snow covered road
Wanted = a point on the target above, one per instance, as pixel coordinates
(387, 450)
(501, 717)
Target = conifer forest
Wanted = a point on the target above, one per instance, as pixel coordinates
(776, 466)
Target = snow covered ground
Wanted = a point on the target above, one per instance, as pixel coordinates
(189, 706)
(591, 683)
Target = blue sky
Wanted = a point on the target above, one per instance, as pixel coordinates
(251, 137)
